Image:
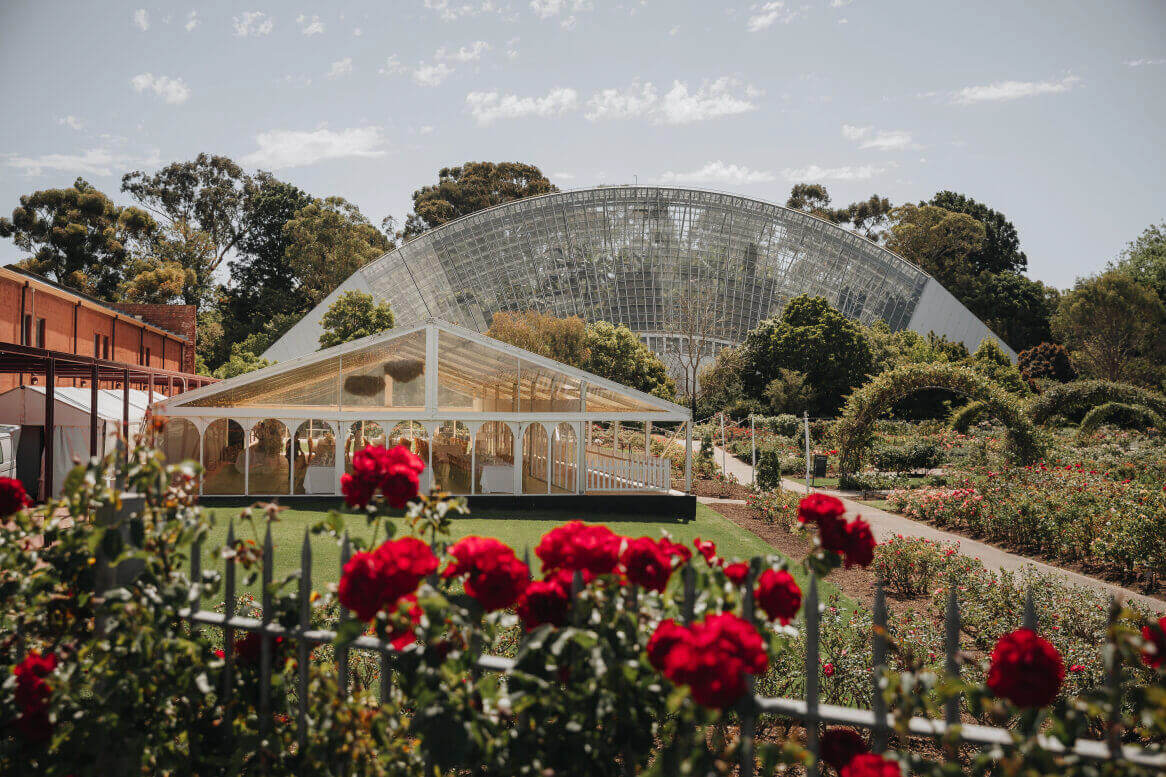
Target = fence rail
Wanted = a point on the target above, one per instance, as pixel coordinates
(809, 711)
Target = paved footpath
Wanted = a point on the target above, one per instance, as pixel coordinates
(885, 525)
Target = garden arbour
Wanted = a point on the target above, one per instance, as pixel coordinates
(1078, 399)
(854, 430)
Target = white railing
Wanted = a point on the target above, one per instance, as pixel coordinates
(627, 471)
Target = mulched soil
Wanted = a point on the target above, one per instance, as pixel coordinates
(714, 488)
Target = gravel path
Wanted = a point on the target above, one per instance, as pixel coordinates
(886, 525)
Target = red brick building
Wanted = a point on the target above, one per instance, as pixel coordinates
(36, 312)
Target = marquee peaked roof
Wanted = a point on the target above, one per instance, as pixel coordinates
(431, 369)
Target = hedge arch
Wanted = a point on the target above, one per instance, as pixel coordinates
(1120, 414)
(962, 419)
(1075, 399)
(854, 429)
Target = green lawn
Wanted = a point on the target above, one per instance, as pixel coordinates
(521, 531)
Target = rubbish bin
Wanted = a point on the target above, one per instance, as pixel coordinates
(819, 470)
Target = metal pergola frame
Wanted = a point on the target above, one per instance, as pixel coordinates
(53, 365)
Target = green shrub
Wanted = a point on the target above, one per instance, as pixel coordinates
(786, 424)
(920, 454)
(967, 416)
(1074, 400)
(909, 566)
(1120, 414)
(775, 461)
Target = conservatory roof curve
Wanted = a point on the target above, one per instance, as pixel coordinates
(432, 370)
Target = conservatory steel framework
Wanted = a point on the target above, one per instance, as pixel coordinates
(488, 418)
(640, 256)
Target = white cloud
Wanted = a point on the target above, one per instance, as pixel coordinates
(93, 162)
(546, 9)
(1144, 62)
(253, 24)
(392, 67)
(635, 101)
(341, 67)
(512, 49)
(1012, 90)
(722, 97)
(840, 3)
(769, 14)
(563, 176)
(450, 11)
(816, 173)
(72, 122)
(311, 26)
(470, 53)
(431, 75)
(488, 107)
(172, 90)
(296, 148)
(718, 172)
(142, 19)
(882, 140)
(425, 129)
(192, 21)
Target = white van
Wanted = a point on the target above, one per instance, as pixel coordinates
(9, 439)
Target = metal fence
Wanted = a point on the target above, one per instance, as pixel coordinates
(809, 711)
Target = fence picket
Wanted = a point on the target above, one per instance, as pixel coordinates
(265, 637)
(879, 659)
(746, 761)
(342, 652)
(688, 577)
(1113, 685)
(951, 646)
(1029, 621)
(305, 624)
(229, 612)
(811, 720)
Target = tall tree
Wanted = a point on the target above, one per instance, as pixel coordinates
(867, 217)
(561, 339)
(811, 198)
(1016, 308)
(327, 241)
(1000, 250)
(352, 316)
(616, 353)
(1144, 259)
(938, 240)
(472, 187)
(175, 269)
(1114, 327)
(78, 237)
(813, 338)
(211, 194)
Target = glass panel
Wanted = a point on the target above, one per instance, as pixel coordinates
(564, 452)
(388, 374)
(312, 386)
(315, 462)
(268, 458)
(222, 458)
(473, 377)
(178, 441)
(361, 434)
(451, 457)
(547, 391)
(602, 400)
(494, 459)
(534, 460)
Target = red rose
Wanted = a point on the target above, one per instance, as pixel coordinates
(579, 546)
(708, 549)
(828, 669)
(647, 564)
(249, 647)
(401, 632)
(495, 576)
(357, 493)
(663, 639)
(839, 746)
(713, 658)
(396, 472)
(545, 601)
(737, 573)
(1025, 669)
(32, 695)
(1154, 652)
(816, 507)
(360, 589)
(860, 543)
(870, 765)
(675, 550)
(13, 497)
(778, 595)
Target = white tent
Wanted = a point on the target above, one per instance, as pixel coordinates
(25, 406)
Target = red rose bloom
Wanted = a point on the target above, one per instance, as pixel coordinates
(357, 493)
(713, 658)
(495, 576)
(372, 581)
(828, 669)
(870, 765)
(1025, 669)
(675, 550)
(545, 601)
(13, 497)
(579, 546)
(663, 639)
(401, 635)
(359, 589)
(32, 695)
(396, 472)
(840, 746)
(737, 573)
(647, 564)
(778, 595)
(826, 512)
(249, 647)
(706, 548)
(860, 544)
(1154, 653)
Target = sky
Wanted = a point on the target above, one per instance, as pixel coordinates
(1052, 112)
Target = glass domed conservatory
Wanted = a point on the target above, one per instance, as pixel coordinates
(639, 255)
